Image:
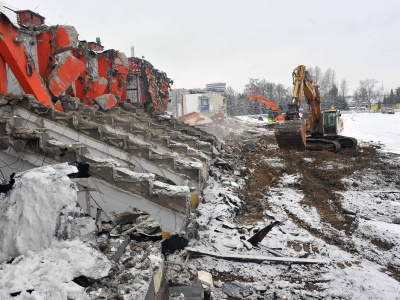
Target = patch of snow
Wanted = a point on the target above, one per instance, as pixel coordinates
(49, 272)
(30, 211)
(136, 175)
(275, 162)
(161, 188)
(364, 281)
(374, 127)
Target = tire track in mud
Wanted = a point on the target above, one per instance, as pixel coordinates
(321, 173)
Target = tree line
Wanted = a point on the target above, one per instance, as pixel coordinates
(332, 93)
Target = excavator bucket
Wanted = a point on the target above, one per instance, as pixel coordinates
(291, 134)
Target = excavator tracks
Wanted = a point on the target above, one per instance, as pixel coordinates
(323, 144)
(347, 142)
(291, 135)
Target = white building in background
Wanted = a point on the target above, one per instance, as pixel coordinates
(208, 101)
(208, 104)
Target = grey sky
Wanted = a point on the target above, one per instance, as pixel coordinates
(199, 42)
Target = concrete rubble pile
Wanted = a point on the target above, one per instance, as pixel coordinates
(156, 161)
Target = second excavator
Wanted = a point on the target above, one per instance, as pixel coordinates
(275, 113)
(321, 131)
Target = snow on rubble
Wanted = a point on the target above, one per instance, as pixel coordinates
(50, 272)
(50, 249)
(35, 202)
(41, 263)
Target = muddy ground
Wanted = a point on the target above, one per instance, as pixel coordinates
(321, 173)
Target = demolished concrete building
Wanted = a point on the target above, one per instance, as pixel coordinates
(66, 100)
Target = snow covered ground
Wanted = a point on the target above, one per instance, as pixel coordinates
(375, 127)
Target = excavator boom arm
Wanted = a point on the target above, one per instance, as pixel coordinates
(263, 100)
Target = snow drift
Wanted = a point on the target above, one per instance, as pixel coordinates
(30, 210)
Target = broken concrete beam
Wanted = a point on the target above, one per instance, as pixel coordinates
(97, 87)
(61, 152)
(164, 189)
(165, 160)
(174, 197)
(64, 74)
(204, 146)
(186, 140)
(94, 160)
(106, 101)
(131, 176)
(178, 148)
(138, 149)
(123, 179)
(162, 140)
(104, 119)
(112, 198)
(199, 155)
(116, 140)
(81, 124)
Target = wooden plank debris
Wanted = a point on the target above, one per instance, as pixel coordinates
(259, 258)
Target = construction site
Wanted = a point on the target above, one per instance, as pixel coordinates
(105, 195)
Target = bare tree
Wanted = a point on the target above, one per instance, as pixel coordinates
(253, 87)
(367, 92)
(282, 95)
(380, 94)
(233, 106)
(344, 89)
(316, 74)
(328, 81)
(270, 90)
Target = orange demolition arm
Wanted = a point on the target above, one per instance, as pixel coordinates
(264, 100)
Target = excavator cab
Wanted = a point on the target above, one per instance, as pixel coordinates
(332, 124)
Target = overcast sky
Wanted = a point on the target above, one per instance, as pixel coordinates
(198, 42)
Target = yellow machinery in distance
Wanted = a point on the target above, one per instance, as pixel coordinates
(321, 130)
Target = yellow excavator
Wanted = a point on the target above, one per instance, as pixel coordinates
(321, 130)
